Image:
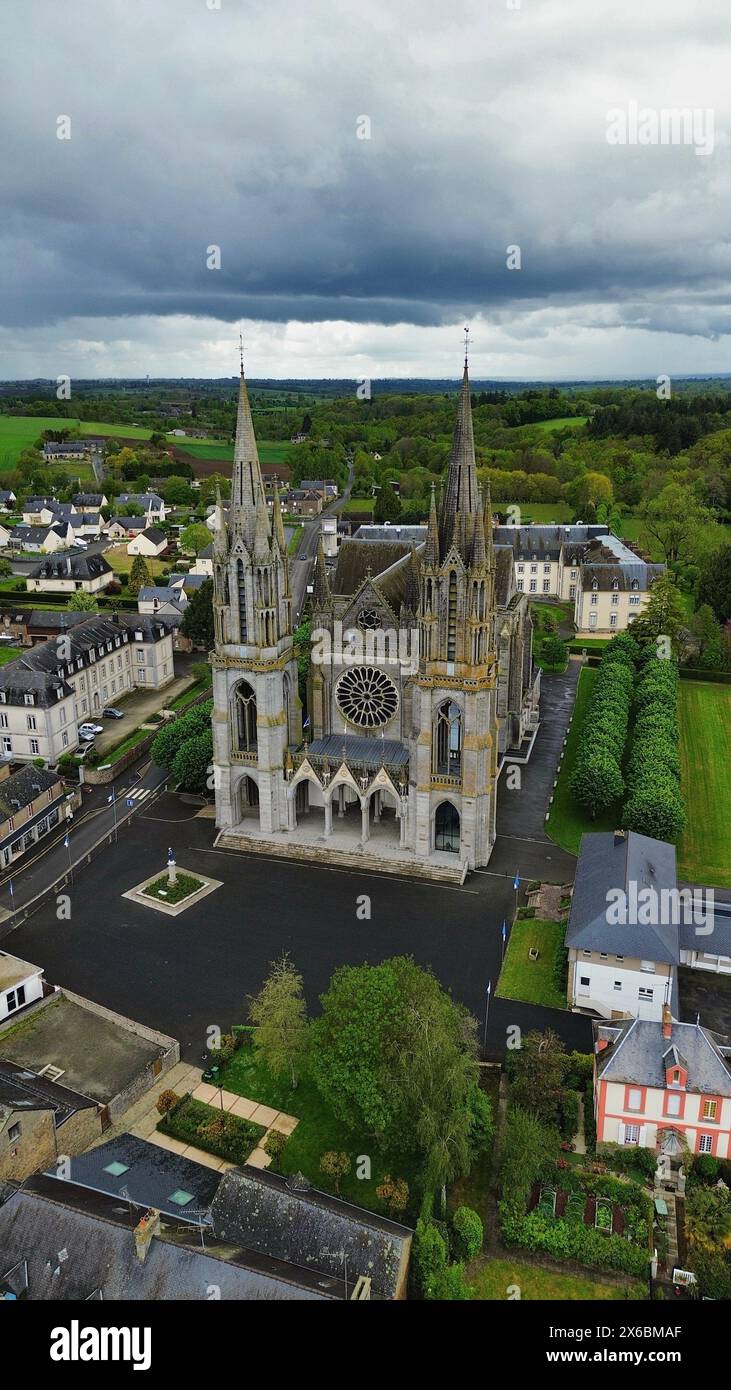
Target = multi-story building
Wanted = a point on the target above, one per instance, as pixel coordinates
(33, 801)
(663, 1085)
(70, 574)
(55, 686)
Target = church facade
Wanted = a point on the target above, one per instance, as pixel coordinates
(421, 684)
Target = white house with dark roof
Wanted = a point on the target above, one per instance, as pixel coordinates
(149, 543)
(71, 574)
(152, 506)
(663, 1085)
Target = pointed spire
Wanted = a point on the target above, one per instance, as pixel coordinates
(220, 539)
(412, 588)
(277, 523)
(431, 549)
(262, 532)
(489, 537)
(320, 583)
(247, 486)
(478, 542)
(460, 494)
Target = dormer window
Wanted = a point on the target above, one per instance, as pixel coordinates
(615, 585)
(635, 584)
(79, 663)
(139, 637)
(28, 699)
(594, 584)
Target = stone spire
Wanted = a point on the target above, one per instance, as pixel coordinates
(262, 531)
(220, 538)
(489, 538)
(277, 523)
(431, 548)
(412, 587)
(460, 494)
(247, 488)
(478, 542)
(320, 583)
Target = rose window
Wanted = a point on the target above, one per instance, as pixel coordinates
(366, 697)
(369, 618)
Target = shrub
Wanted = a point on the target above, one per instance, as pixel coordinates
(336, 1166)
(656, 810)
(449, 1285)
(596, 782)
(429, 1255)
(166, 1101)
(226, 1135)
(394, 1194)
(705, 1167)
(482, 1125)
(468, 1232)
(275, 1144)
(569, 1114)
(568, 1240)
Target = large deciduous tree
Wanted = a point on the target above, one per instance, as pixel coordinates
(197, 621)
(279, 1012)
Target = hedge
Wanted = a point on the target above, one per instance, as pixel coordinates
(185, 1119)
(597, 781)
(654, 804)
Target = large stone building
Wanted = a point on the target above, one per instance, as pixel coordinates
(421, 682)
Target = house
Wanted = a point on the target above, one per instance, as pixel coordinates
(42, 539)
(662, 1085)
(152, 506)
(621, 969)
(302, 502)
(4, 536)
(88, 574)
(144, 1222)
(33, 801)
(120, 528)
(89, 501)
(629, 967)
(21, 984)
(14, 627)
(161, 599)
(66, 449)
(203, 563)
(149, 543)
(44, 623)
(86, 525)
(7, 500)
(326, 488)
(41, 1121)
(40, 511)
(58, 684)
(187, 583)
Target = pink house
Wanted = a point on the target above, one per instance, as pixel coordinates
(663, 1085)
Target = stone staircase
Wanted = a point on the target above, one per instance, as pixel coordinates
(378, 858)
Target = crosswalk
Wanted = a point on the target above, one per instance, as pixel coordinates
(139, 794)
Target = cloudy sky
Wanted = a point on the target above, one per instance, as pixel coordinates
(238, 124)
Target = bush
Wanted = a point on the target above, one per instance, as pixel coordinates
(449, 1285)
(596, 782)
(568, 1114)
(482, 1125)
(468, 1232)
(223, 1134)
(275, 1144)
(336, 1166)
(429, 1256)
(656, 810)
(166, 1101)
(394, 1194)
(568, 1240)
(705, 1168)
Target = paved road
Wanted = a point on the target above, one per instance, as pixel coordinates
(522, 841)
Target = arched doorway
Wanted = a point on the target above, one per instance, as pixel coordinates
(446, 828)
(248, 798)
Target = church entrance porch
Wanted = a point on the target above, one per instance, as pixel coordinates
(447, 828)
(248, 799)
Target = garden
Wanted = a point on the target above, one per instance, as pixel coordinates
(205, 1127)
(534, 968)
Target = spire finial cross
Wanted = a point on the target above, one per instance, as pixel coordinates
(466, 343)
(241, 352)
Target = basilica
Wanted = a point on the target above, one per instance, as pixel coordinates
(421, 685)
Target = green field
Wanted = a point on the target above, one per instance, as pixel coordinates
(8, 653)
(535, 981)
(492, 1279)
(218, 451)
(18, 432)
(704, 850)
(572, 422)
(567, 821)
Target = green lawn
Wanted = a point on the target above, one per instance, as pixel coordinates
(492, 1279)
(270, 450)
(294, 540)
(8, 653)
(567, 822)
(184, 887)
(562, 422)
(705, 740)
(535, 981)
(317, 1132)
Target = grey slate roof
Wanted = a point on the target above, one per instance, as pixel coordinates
(72, 567)
(359, 750)
(154, 535)
(22, 1089)
(357, 557)
(151, 1175)
(41, 670)
(637, 1051)
(626, 576)
(609, 861)
(545, 542)
(310, 1229)
(22, 787)
(47, 1215)
(88, 499)
(160, 592)
(128, 523)
(412, 535)
(718, 941)
(144, 499)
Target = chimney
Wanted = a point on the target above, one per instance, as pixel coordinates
(620, 837)
(148, 1227)
(667, 1021)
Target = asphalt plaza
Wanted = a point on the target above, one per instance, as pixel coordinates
(182, 975)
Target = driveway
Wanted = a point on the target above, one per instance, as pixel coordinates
(522, 842)
(138, 705)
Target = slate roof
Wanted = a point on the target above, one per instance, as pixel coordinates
(78, 520)
(59, 618)
(128, 523)
(22, 1089)
(88, 499)
(637, 1051)
(359, 750)
(627, 576)
(606, 861)
(72, 567)
(718, 941)
(40, 669)
(47, 1215)
(34, 535)
(544, 542)
(413, 535)
(504, 576)
(144, 499)
(152, 534)
(307, 1228)
(151, 1175)
(356, 558)
(22, 787)
(160, 592)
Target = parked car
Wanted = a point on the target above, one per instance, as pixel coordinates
(87, 731)
(112, 713)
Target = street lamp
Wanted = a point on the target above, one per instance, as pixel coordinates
(488, 992)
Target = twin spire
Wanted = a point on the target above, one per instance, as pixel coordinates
(461, 521)
(249, 514)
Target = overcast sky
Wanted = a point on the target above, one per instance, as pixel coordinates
(194, 126)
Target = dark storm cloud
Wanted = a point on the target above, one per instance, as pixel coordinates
(193, 127)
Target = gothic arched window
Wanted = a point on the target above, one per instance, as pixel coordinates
(245, 718)
(448, 740)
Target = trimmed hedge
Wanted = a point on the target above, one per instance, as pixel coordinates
(597, 780)
(186, 1120)
(654, 805)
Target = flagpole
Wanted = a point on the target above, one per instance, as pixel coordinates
(504, 935)
(487, 1007)
(113, 800)
(68, 846)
